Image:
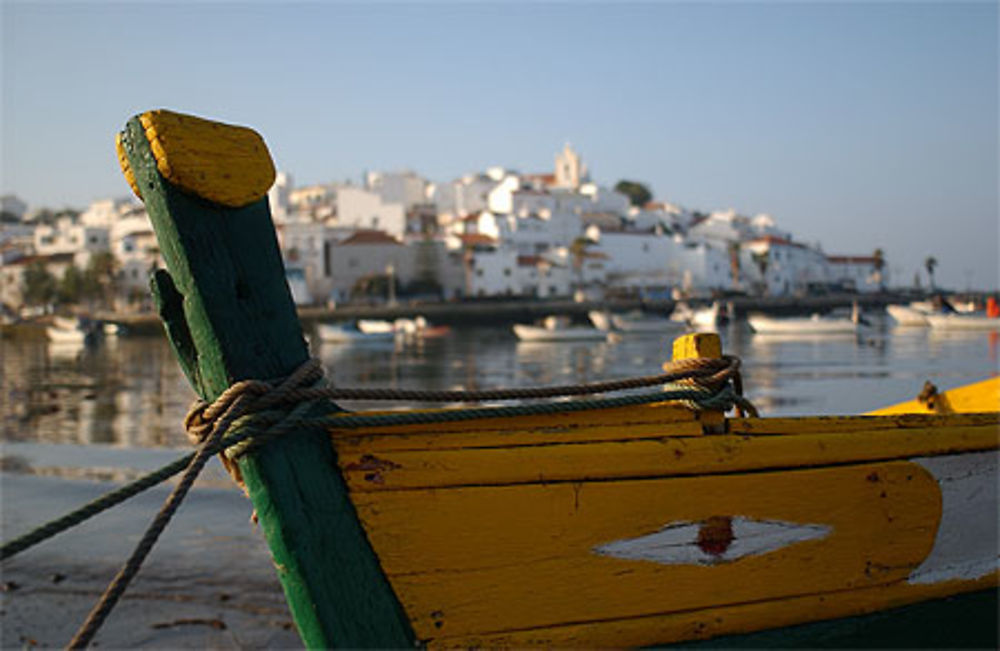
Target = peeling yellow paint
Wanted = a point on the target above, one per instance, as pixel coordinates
(126, 168)
(607, 452)
(222, 163)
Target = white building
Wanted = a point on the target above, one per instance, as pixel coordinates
(68, 237)
(362, 209)
(279, 197)
(728, 226)
(136, 251)
(779, 266)
(605, 199)
(466, 196)
(654, 260)
(500, 199)
(406, 188)
(104, 212)
(857, 272)
(504, 272)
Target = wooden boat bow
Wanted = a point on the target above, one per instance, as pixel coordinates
(229, 316)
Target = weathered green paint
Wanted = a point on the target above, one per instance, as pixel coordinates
(229, 315)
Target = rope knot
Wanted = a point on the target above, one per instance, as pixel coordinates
(249, 402)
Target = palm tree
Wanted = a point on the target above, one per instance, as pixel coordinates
(878, 262)
(929, 264)
(577, 252)
(762, 259)
(734, 263)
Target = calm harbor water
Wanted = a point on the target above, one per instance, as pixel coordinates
(129, 393)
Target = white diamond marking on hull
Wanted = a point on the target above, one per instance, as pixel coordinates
(686, 543)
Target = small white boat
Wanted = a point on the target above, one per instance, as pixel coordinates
(811, 325)
(963, 321)
(69, 330)
(58, 335)
(346, 333)
(707, 317)
(636, 323)
(67, 322)
(601, 319)
(376, 326)
(558, 329)
(111, 329)
(909, 315)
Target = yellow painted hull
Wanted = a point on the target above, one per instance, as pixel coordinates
(633, 527)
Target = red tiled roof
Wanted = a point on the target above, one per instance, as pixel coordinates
(544, 179)
(773, 239)
(369, 237)
(472, 239)
(28, 259)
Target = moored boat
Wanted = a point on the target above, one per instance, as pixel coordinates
(581, 524)
(963, 321)
(635, 323)
(815, 324)
(347, 333)
(555, 330)
(909, 315)
(375, 326)
(69, 330)
(708, 318)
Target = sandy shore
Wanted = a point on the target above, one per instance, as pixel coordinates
(208, 583)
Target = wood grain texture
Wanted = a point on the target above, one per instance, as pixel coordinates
(230, 316)
(471, 561)
(618, 424)
(755, 444)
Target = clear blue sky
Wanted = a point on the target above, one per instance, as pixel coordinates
(856, 125)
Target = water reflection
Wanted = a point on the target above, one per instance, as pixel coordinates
(127, 392)
(130, 392)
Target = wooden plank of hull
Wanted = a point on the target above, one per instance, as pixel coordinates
(488, 561)
(598, 425)
(752, 446)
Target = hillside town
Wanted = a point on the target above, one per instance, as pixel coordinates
(395, 235)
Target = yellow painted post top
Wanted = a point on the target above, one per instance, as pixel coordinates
(222, 163)
(705, 345)
(697, 344)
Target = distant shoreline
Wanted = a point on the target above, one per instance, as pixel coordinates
(507, 311)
